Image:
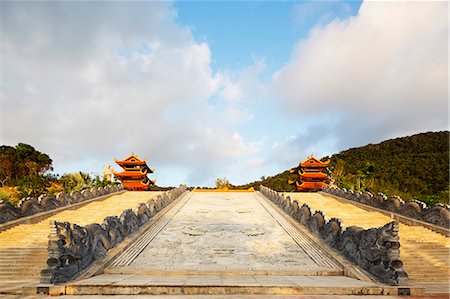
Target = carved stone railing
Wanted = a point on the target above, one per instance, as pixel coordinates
(72, 248)
(376, 250)
(437, 214)
(45, 202)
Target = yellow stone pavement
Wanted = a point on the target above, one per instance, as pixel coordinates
(425, 253)
(23, 248)
(33, 235)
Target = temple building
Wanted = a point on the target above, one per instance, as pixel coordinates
(310, 176)
(134, 174)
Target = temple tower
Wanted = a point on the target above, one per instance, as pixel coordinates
(309, 175)
(134, 174)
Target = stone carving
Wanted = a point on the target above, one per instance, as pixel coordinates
(252, 232)
(73, 248)
(8, 212)
(193, 231)
(45, 202)
(48, 202)
(317, 223)
(87, 194)
(437, 214)
(152, 207)
(376, 250)
(304, 214)
(129, 221)
(29, 206)
(143, 213)
(108, 172)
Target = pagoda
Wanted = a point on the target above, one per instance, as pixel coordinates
(310, 175)
(134, 174)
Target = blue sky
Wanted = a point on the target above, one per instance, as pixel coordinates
(207, 89)
(239, 32)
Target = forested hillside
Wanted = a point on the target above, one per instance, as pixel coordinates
(413, 167)
(24, 172)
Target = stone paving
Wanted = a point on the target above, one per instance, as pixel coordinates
(229, 232)
(224, 243)
(221, 297)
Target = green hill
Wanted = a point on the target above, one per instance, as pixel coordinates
(416, 166)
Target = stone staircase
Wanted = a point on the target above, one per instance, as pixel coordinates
(425, 253)
(23, 248)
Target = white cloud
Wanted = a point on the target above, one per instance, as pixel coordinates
(384, 72)
(87, 81)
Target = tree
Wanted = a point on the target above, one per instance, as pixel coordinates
(222, 183)
(75, 181)
(21, 161)
(7, 161)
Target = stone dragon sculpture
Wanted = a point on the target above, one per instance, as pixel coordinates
(73, 248)
(46, 202)
(376, 250)
(438, 214)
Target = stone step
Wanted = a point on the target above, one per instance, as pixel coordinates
(21, 269)
(24, 257)
(227, 285)
(432, 276)
(425, 254)
(23, 248)
(19, 277)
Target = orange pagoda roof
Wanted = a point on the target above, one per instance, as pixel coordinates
(132, 160)
(309, 185)
(137, 184)
(313, 175)
(131, 174)
(313, 162)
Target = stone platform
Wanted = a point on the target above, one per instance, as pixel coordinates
(226, 232)
(119, 284)
(226, 243)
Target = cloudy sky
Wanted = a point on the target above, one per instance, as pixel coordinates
(218, 89)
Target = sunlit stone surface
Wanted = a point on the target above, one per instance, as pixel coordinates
(224, 232)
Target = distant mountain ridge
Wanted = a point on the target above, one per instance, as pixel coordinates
(415, 166)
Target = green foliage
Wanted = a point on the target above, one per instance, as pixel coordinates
(278, 182)
(32, 185)
(99, 181)
(21, 161)
(431, 199)
(75, 181)
(411, 167)
(4, 195)
(222, 183)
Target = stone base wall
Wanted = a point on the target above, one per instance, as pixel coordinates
(45, 202)
(72, 248)
(376, 250)
(437, 214)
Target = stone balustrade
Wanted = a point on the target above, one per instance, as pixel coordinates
(73, 248)
(437, 214)
(45, 202)
(375, 250)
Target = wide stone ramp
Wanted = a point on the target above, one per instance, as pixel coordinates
(224, 243)
(425, 253)
(220, 232)
(23, 248)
